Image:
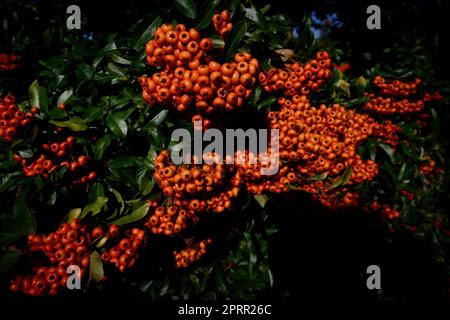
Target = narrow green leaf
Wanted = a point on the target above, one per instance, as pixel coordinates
(386, 148)
(124, 161)
(267, 102)
(148, 33)
(256, 16)
(135, 215)
(119, 199)
(207, 17)
(157, 120)
(234, 39)
(319, 176)
(94, 207)
(186, 7)
(75, 124)
(100, 146)
(342, 180)
(120, 60)
(65, 96)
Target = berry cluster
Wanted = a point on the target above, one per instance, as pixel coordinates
(397, 87)
(222, 24)
(191, 79)
(389, 106)
(387, 133)
(58, 154)
(384, 210)
(168, 220)
(394, 97)
(69, 245)
(191, 254)
(11, 118)
(9, 62)
(408, 194)
(299, 79)
(322, 139)
(257, 183)
(124, 254)
(197, 187)
(334, 200)
(435, 96)
(428, 167)
(175, 46)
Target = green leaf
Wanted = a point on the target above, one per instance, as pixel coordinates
(146, 186)
(256, 16)
(74, 214)
(267, 102)
(119, 199)
(85, 71)
(319, 176)
(94, 207)
(386, 148)
(207, 17)
(24, 214)
(157, 120)
(186, 7)
(57, 113)
(148, 33)
(261, 199)
(401, 173)
(102, 242)
(137, 214)
(100, 146)
(26, 154)
(65, 96)
(7, 259)
(256, 95)
(234, 38)
(75, 124)
(342, 180)
(124, 161)
(38, 96)
(120, 60)
(117, 124)
(93, 113)
(115, 69)
(96, 272)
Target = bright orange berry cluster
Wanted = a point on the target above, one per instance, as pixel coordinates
(55, 155)
(322, 139)
(397, 87)
(11, 118)
(387, 133)
(191, 79)
(168, 220)
(123, 255)
(197, 187)
(394, 97)
(222, 24)
(69, 245)
(389, 106)
(298, 79)
(185, 257)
